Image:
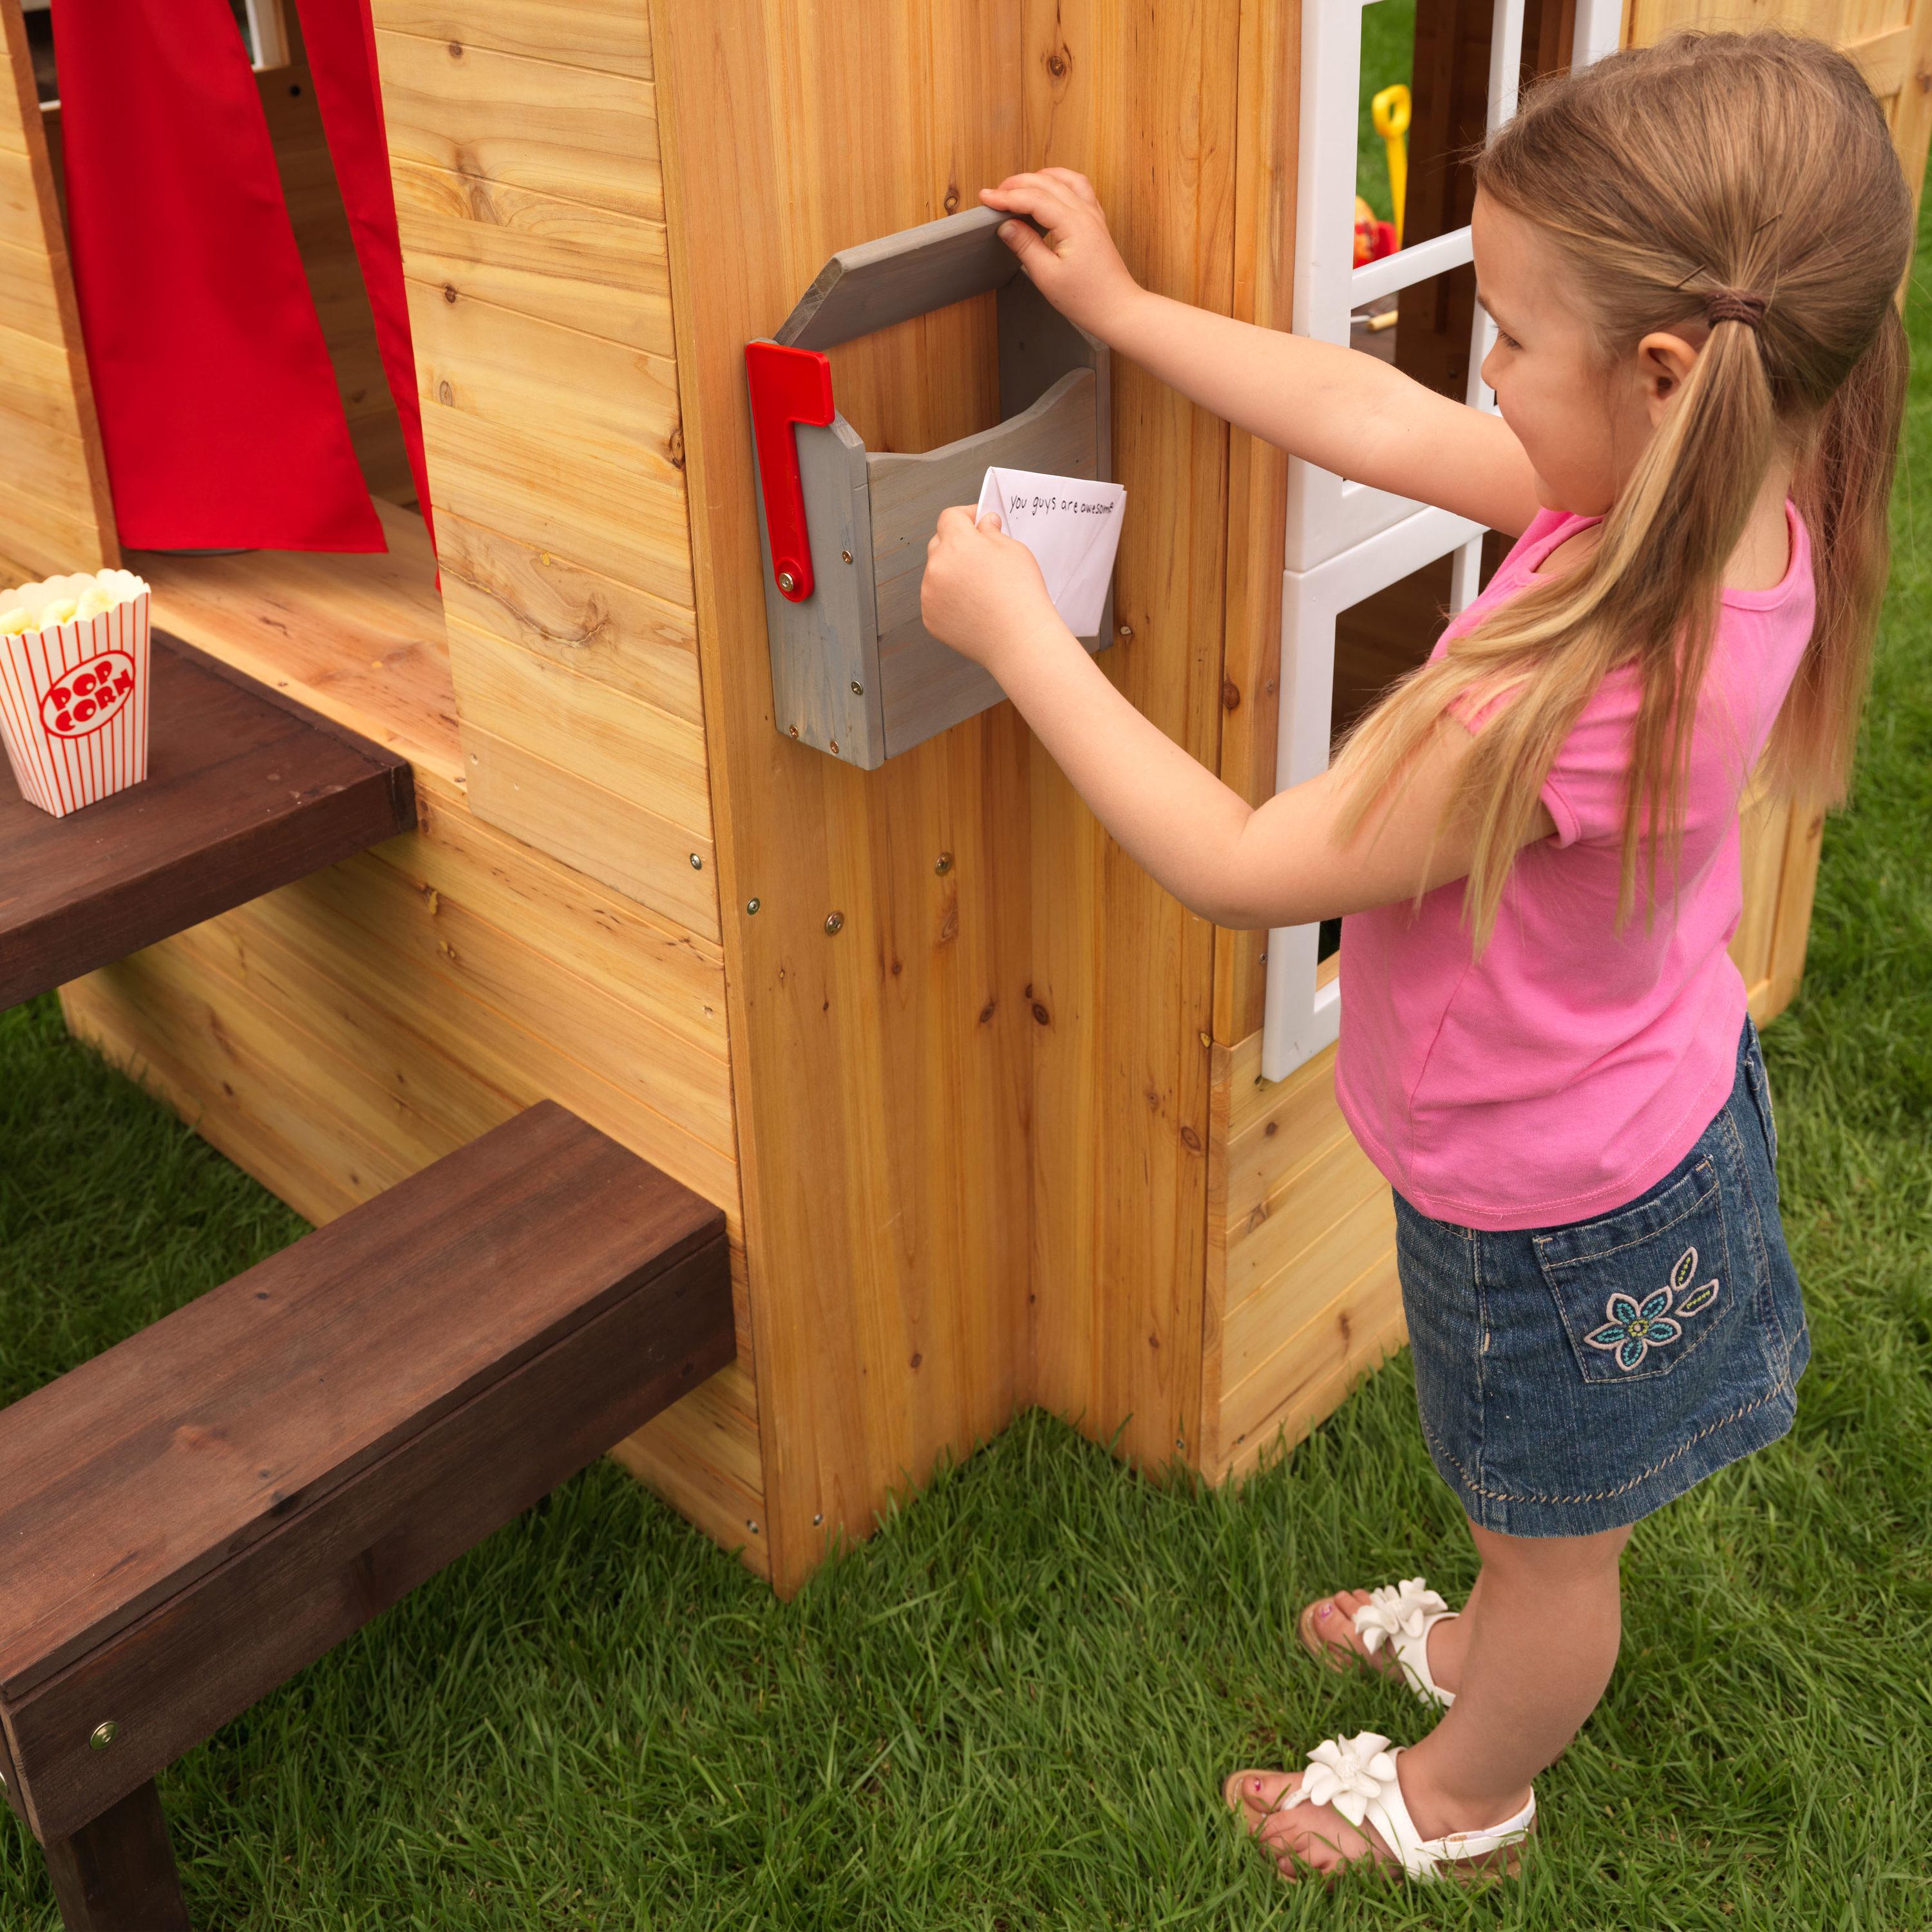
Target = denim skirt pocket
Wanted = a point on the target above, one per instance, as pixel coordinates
(1640, 1291)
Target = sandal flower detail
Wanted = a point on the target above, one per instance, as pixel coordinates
(1348, 1773)
(1356, 1776)
(1397, 1610)
(1398, 1618)
(1635, 1328)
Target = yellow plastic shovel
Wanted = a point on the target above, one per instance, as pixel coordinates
(1389, 110)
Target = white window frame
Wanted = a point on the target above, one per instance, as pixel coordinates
(1344, 541)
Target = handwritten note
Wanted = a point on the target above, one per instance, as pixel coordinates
(1072, 526)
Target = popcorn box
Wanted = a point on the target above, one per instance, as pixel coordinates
(73, 692)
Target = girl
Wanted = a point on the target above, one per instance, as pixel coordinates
(1691, 253)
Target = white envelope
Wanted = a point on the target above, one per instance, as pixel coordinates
(1072, 526)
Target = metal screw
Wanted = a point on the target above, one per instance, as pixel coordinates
(858, 689)
(1205, 1041)
(787, 582)
(1126, 630)
(845, 556)
(835, 921)
(817, 1520)
(103, 1735)
(942, 864)
(752, 905)
(697, 863)
(835, 745)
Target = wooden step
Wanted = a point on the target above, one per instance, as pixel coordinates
(190, 1518)
(246, 791)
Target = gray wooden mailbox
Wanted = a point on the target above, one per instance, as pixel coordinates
(853, 670)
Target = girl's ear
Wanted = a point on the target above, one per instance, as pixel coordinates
(1663, 365)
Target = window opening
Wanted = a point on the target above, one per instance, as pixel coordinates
(1349, 551)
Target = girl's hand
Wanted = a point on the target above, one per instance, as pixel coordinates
(1075, 265)
(982, 593)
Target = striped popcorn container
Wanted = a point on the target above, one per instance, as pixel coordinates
(74, 687)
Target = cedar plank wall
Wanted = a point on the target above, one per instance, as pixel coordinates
(1301, 1296)
(532, 216)
(882, 1074)
(523, 149)
(1144, 97)
(55, 513)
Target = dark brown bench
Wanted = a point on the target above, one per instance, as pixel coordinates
(246, 791)
(188, 1519)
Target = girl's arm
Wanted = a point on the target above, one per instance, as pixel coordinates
(1282, 863)
(1339, 409)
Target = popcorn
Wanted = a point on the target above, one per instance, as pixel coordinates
(73, 696)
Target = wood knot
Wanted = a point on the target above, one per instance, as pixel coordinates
(1230, 695)
(1059, 63)
(986, 1011)
(1190, 1140)
(1041, 1014)
(445, 395)
(674, 449)
(952, 202)
(449, 293)
(456, 49)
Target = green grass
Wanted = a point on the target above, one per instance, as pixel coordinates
(1012, 1707)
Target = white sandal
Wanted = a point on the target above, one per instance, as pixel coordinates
(1358, 1776)
(1401, 1616)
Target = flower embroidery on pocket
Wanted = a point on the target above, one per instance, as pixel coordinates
(1633, 1329)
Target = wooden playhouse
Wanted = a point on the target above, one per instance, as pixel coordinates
(984, 1108)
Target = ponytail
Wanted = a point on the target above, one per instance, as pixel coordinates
(1843, 488)
(1743, 185)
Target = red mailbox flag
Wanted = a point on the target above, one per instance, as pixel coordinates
(219, 411)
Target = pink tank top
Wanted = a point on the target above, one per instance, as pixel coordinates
(1573, 1066)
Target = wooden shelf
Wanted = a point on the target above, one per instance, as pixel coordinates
(245, 791)
(358, 639)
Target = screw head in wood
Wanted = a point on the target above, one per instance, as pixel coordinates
(1126, 630)
(835, 921)
(858, 689)
(787, 582)
(845, 556)
(697, 862)
(942, 864)
(103, 1735)
(752, 905)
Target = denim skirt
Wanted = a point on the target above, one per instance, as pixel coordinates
(1574, 1379)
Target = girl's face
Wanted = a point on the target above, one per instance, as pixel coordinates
(1582, 425)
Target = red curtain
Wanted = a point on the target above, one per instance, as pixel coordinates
(340, 39)
(219, 411)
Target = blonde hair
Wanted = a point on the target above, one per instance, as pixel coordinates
(1749, 178)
